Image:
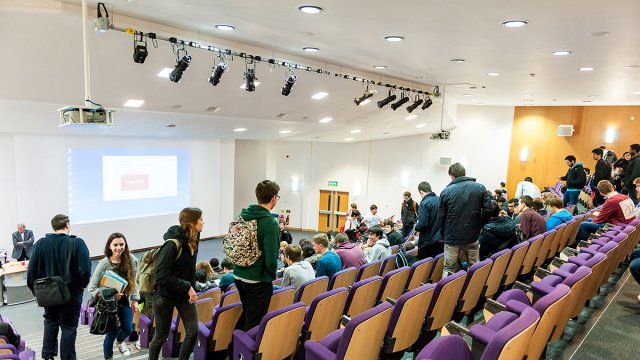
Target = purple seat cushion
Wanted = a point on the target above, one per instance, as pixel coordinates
(332, 340)
(484, 333)
(445, 348)
(515, 295)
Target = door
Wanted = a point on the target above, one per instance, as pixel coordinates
(332, 210)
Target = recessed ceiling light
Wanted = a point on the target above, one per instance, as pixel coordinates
(467, 95)
(165, 72)
(457, 61)
(411, 117)
(632, 66)
(320, 95)
(527, 95)
(586, 69)
(133, 103)
(600, 34)
(348, 139)
(528, 101)
(311, 49)
(593, 96)
(325, 120)
(355, 131)
(243, 86)
(239, 129)
(586, 101)
(420, 125)
(561, 52)
(393, 38)
(493, 74)
(380, 67)
(310, 9)
(635, 93)
(284, 131)
(475, 100)
(225, 27)
(365, 102)
(514, 23)
(480, 104)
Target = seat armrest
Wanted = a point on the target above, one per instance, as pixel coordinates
(314, 350)
(454, 328)
(516, 307)
(391, 301)
(522, 286)
(556, 263)
(203, 330)
(493, 307)
(344, 320)
(243, 339)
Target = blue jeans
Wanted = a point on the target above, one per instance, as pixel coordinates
(125, 315)
(63, 317)
(587, 228)
(570, 197)
(634, 267)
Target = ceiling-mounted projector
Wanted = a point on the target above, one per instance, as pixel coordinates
(441, 135)
(85, 117)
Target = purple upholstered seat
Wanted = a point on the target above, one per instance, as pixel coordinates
(446, 348)
(476, 279)
(501, 329)
(310, 289)
(338, 344)
(419, 273)
(356, 290)
(248, 344)
(343, 278)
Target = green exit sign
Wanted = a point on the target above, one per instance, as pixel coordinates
(333, 183)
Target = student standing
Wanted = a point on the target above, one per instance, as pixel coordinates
(119, 260)
(175, 282)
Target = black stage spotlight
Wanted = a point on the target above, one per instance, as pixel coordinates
(427, 103)
(216, 73)
(250, 77)
(388, 99)
(364, 97)
(400, 102)
(415, 104)
(286, 89)
(140, 50)
(180, 68)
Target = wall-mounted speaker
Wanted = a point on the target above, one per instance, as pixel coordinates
(565, 130)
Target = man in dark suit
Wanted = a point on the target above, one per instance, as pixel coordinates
(22, 243)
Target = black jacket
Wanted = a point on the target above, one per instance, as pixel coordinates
(603, 172)
(465, 206)
(174, 276)
(49, 257)
(632, 172)
(428, 224)
(498, 234)
(408, 213)
(576, 177)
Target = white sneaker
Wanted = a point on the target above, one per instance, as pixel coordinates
(138, 345)
(124, 349)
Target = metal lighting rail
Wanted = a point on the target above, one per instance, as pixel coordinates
(257, 58)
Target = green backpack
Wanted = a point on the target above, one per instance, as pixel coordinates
(146, 277)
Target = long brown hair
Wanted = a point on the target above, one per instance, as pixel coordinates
(188, 220)
(206, 267)
(125, 260)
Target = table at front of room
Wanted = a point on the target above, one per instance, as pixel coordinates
(14, 278)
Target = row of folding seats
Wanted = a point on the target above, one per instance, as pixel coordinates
(10, 351)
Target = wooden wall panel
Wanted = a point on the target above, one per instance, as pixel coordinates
(535, 127)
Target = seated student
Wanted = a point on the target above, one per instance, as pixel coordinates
(227, 278)
(6, 330)
(298, 271)
(498, 234)
(559, 214)
(538, 206)
(309, 254)
(378, 244)
(618, 209)
(215, 265)
(329, 263)
(531, 223)
(512, 205)
(349, 252)
(502, 203)
(394, 236)
(202, 282)
(206, 267)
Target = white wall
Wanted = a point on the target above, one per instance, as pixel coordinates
(34, 184)
(375, 171)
